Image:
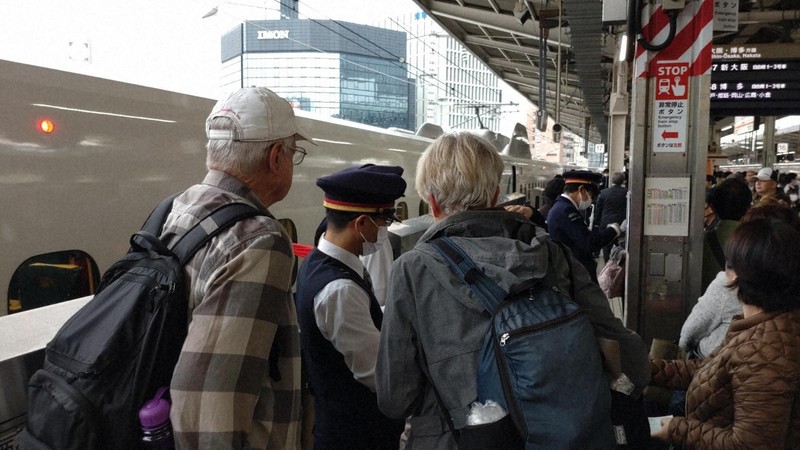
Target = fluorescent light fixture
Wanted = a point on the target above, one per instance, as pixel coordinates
(623, 48)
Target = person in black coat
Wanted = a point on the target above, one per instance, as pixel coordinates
(612, 206)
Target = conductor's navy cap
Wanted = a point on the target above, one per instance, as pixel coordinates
(582, 177)
(368, 189)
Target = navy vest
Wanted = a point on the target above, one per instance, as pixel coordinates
(347, 414)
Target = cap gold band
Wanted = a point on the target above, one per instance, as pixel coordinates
(355, 207)
(577, 180)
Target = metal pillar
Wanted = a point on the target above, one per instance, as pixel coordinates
(617, 126)
(768, 142)
(667, 186)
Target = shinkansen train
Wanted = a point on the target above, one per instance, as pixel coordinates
(84, 160)
(783, 167)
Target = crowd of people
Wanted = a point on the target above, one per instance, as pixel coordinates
(405, 375)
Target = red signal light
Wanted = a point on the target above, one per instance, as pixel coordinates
(46, 126)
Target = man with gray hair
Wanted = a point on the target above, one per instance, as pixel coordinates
(434, 327)
(237, 381)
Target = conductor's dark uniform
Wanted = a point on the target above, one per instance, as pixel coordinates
(566, 225)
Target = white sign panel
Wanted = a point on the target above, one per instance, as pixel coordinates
(671, 106)
(726, 15)
(666, 207)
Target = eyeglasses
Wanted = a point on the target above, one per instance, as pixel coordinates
(298, 155)
(386, 220)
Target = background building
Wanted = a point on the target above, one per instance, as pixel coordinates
(401, 72)
(333, 68)
(454, 89)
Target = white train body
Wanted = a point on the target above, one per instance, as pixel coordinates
(116, 149)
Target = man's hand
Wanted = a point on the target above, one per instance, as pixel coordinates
(526, 211)
(661, 434)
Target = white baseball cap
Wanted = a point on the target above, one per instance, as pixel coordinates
(258, 114)
(764, 174)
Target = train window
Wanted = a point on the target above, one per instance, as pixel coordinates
(402, 210)
(52, 278)
(423, 208)
(291, 230)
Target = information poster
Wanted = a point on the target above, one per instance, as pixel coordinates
(666, 207)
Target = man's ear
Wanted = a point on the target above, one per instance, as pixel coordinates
(359, 222)
(435, 210)
(274, 156)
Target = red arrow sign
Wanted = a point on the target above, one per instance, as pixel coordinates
(669, 134)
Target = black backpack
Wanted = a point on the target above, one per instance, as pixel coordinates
(110, 357)
(540, 361)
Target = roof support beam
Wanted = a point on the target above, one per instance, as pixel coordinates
(533, 83)
(503, 45)
(570, 78)
(488, 19)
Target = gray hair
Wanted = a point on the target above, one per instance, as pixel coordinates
(244, 158)
(618, 178)
(461, 171)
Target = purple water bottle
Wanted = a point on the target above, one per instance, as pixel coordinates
(156, 427)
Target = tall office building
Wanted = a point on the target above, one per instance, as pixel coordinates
(337, 69)
(454, 88)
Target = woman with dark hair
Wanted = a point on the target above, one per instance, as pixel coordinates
(726, 203)
(746, 394)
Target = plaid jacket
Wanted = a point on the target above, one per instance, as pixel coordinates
(240, 299)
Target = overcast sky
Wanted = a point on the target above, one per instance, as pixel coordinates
(160, 43)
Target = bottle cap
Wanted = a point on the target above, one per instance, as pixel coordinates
(155, 411)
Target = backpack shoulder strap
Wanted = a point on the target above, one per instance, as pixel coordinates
(211, 225)
(158, 216)
(488, 292)
(713, 242)
(568, 258)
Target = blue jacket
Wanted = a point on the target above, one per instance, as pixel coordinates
(565, 224)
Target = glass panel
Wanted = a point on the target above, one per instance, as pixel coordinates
(52, 278)
(402, 210)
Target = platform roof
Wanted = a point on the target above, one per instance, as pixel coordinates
(507, 36)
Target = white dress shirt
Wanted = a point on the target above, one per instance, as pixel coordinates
(341, 310)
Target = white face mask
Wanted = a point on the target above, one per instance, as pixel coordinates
(368, 248)
(584, 204)
(793, 197)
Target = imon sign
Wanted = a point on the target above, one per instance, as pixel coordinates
(671, 106)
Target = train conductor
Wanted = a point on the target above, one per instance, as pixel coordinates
(566, 223)
(339, 316)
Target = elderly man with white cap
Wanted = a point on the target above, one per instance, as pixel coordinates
(766, 186)
(237, 381)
